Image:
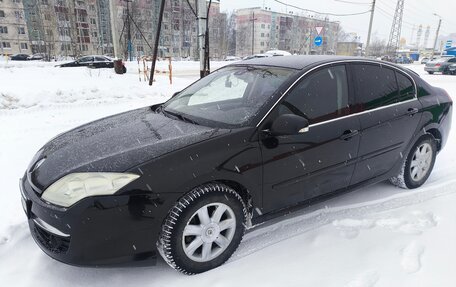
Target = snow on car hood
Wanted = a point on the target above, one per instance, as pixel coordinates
(114, 144)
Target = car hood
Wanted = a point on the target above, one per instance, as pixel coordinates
(114, 144)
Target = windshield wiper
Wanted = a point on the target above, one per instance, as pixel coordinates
(179, 116)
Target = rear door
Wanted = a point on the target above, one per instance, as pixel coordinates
(389, 113)
(321, 160)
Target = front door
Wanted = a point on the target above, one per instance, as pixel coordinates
(306, 165)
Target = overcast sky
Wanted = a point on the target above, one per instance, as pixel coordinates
(416, 12)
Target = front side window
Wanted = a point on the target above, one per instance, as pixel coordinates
(320, 96)
(375, 86)
(230, 97)
(85, 59)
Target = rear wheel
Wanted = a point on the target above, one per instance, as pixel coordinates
(203, 229)
(418, 165)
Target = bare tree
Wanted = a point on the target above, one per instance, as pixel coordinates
(377, 46)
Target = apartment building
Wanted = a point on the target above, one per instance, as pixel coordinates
(13, 28)
(260, 29)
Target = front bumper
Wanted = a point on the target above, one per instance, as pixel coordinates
(97, 231)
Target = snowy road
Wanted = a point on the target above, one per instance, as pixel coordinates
(376, 236)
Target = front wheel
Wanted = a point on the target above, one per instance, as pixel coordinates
(203, 229)
(431, 73)
(418, 165)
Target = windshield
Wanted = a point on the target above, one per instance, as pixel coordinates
(229, 97)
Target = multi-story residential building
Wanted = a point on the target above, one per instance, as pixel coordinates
(13, 28)
(178, 37)
(259, 30)
(63, 27)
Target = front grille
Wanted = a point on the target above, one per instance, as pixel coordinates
(51, 242)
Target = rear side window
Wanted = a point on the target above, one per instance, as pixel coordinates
(320, 96)
(375, 86)
(406, 88)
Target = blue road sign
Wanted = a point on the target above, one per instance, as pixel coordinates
(449, 43)
(318, 41)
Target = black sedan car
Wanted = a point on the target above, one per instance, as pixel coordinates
(19, 57)
(95, 62)
(247, 142)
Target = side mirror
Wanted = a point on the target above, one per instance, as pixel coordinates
(289, 124)
(175, 94)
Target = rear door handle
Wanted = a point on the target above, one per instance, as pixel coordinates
(412, 111)
(348, 134)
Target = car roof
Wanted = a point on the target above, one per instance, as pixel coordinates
(300, 62)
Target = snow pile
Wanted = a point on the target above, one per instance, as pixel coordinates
(40, 84)
(376, 236)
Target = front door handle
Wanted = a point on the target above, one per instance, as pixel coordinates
(412, 111)
(348, 134)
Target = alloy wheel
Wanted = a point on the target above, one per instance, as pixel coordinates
(421, 162)
(209, 232)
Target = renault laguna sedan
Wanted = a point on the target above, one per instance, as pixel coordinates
(185, 178)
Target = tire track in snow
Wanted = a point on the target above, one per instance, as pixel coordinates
(303, 221)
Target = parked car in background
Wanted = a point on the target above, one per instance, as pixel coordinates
(440, 65)
(452, 69)
(232, 58)
(256, 56)
(19, 57)
(278, 53)
(37, 57)
(387, 58)
(403, 60)
(250, 141)
(96, 62)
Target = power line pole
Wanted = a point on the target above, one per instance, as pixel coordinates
(115, 40)
(370, 26)
(253, 31)
(157, 38)
(436, 36)
(395, 34)
(128, 24)
(201, 11)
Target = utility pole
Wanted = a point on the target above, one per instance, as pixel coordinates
(115, 41)
(157, 42)
(436, 36)
(253, 31)
(370, 26)
(129, 44)
(201, 11)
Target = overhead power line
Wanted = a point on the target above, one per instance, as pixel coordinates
(322, 13)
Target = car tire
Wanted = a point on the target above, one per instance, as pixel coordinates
(203, 229)
(418, 164)
(431, 73)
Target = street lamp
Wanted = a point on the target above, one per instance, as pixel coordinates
(436, 35)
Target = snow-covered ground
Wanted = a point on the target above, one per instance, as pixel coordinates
(376, 236)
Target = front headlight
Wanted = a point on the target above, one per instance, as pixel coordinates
(76, 186)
